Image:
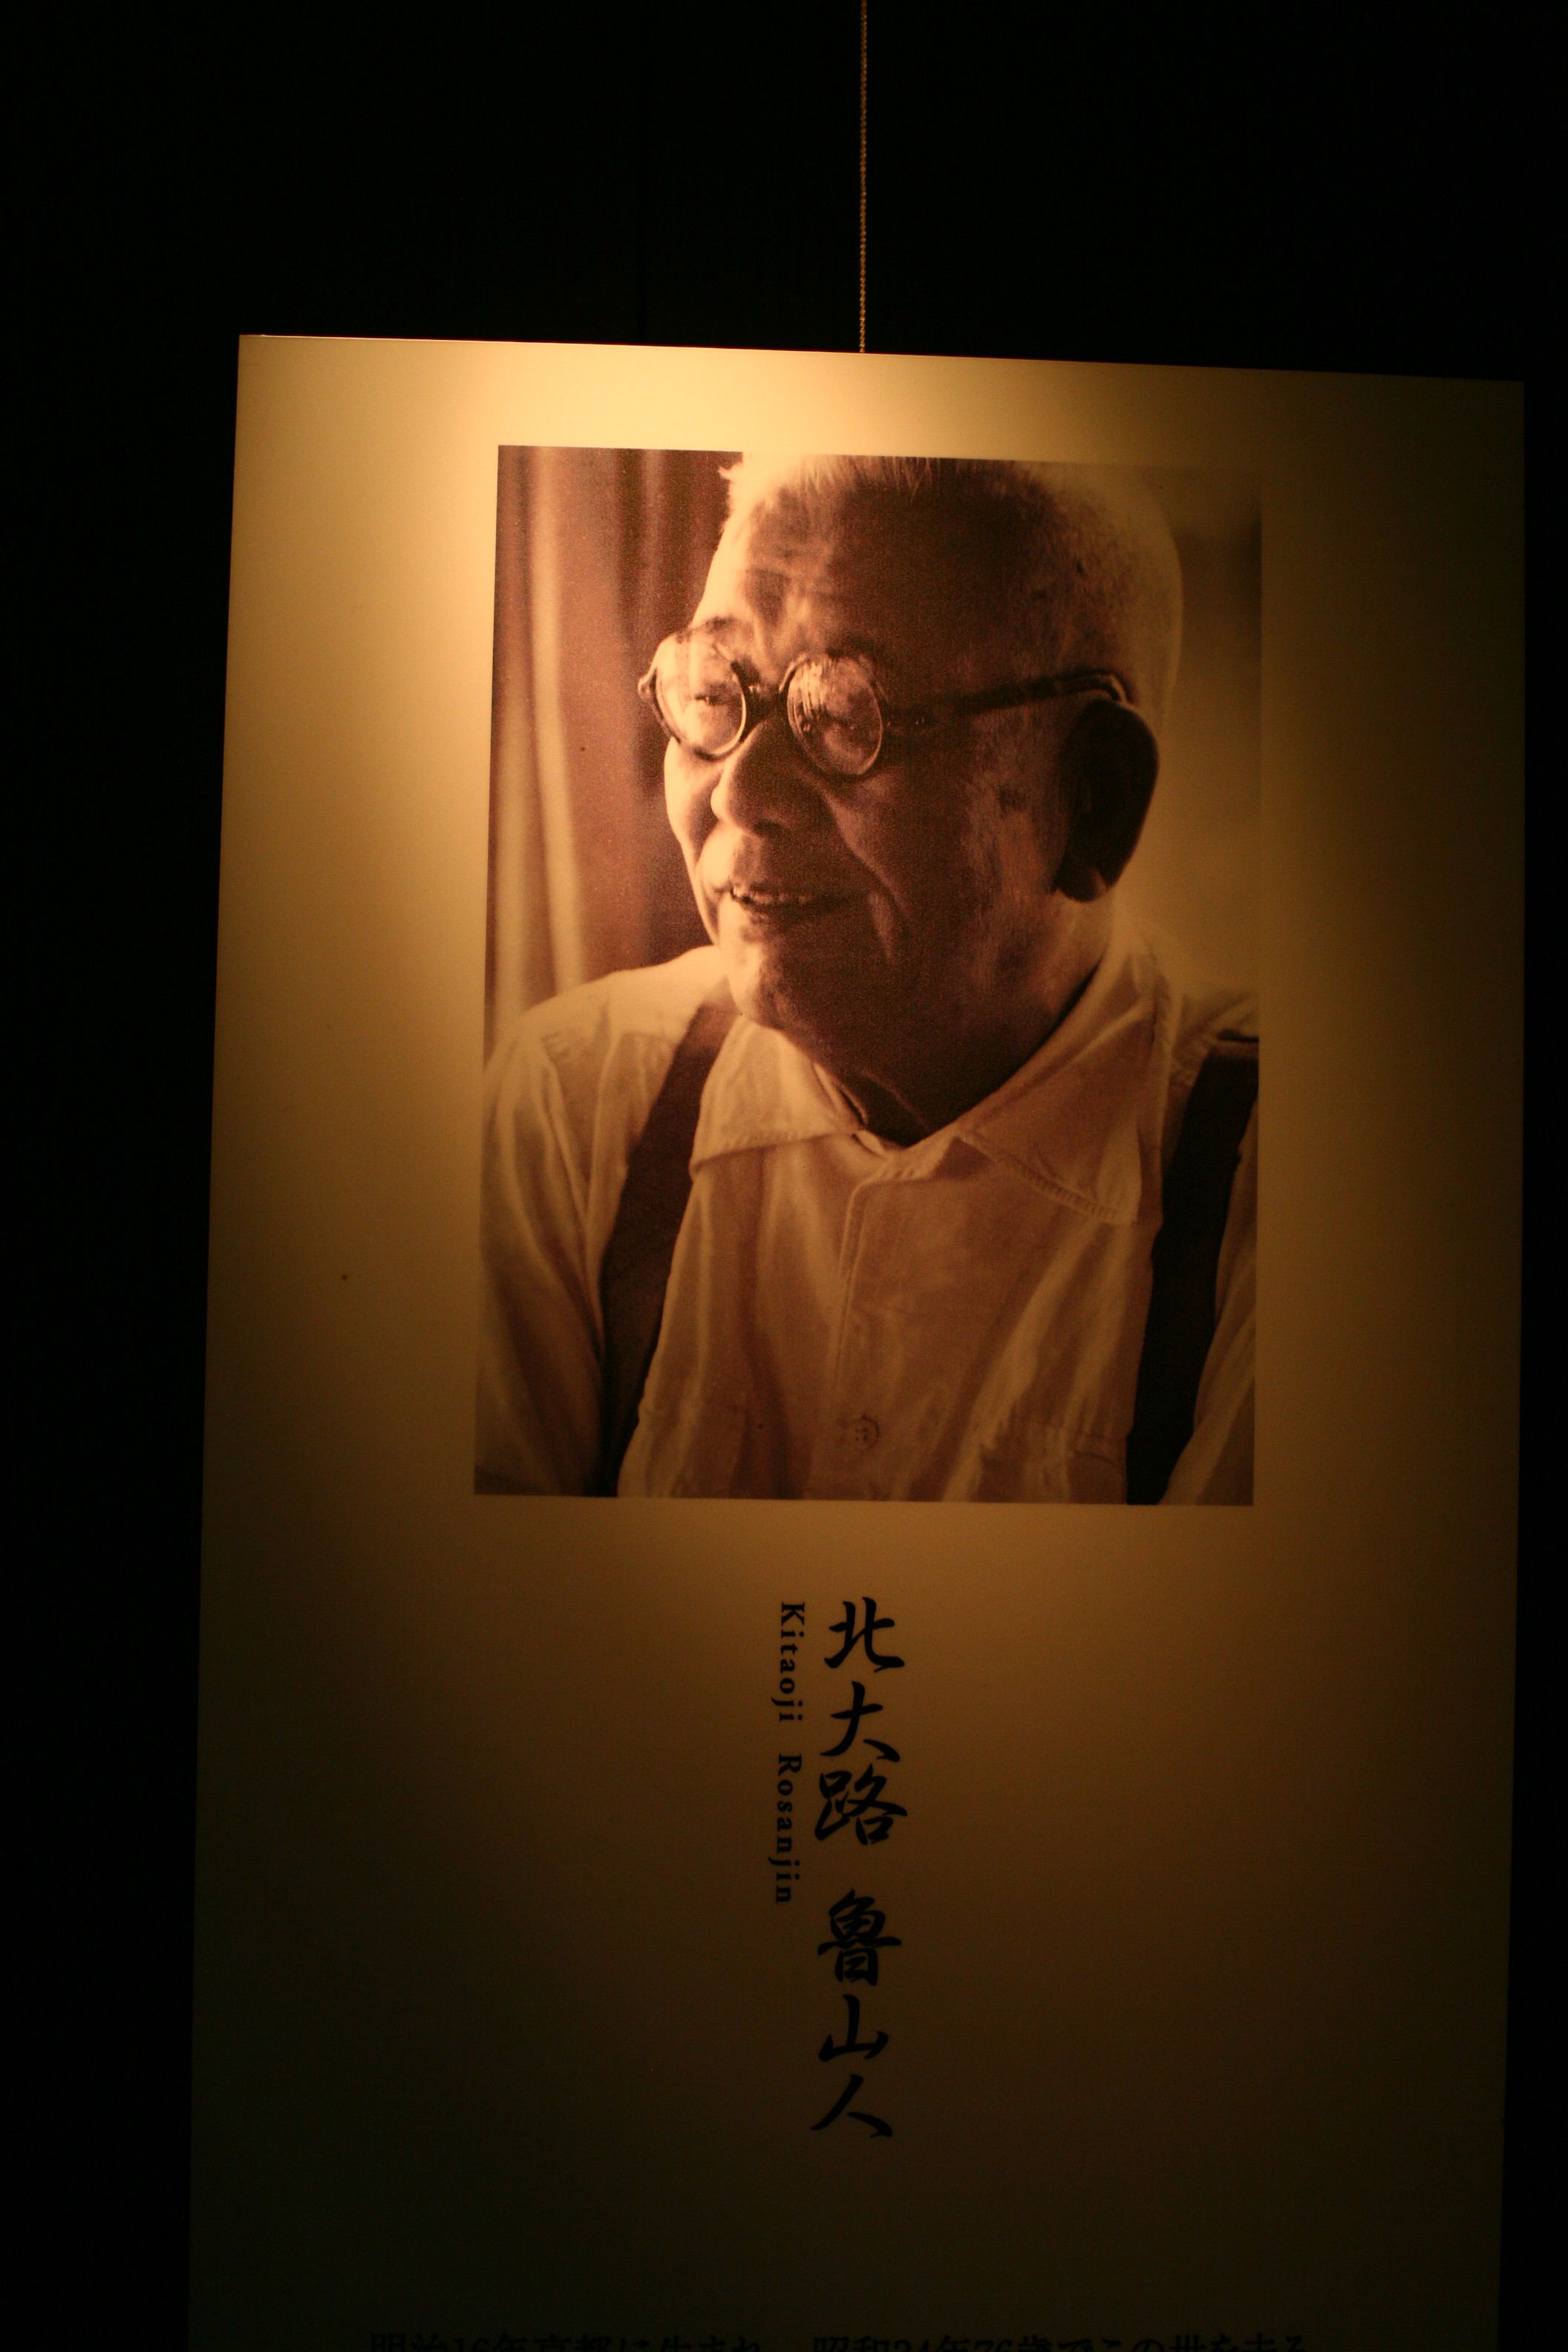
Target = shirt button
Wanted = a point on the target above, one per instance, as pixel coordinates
(865, 1432)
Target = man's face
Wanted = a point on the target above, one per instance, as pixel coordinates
(871, 920)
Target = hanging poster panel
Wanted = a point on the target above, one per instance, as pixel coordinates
(856, 1622)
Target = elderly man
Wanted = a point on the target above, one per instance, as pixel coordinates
(932, 1177)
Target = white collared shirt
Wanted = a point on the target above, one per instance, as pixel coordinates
(959, 1318)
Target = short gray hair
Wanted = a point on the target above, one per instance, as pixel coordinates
(1094, 576)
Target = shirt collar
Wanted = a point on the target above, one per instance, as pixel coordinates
(1076, 1120)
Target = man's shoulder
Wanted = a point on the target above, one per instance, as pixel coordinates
(1195, 1007)
(654, 1003)
(603, 1046)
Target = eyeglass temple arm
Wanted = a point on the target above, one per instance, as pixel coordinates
(1008, 697)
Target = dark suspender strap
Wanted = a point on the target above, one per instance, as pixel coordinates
(641, 1248)
(1181, 1307)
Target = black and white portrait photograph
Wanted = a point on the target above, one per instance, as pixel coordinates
(872, 1056)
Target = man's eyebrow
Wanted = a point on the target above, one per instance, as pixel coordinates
(883, 659)
(835, 640)
(872, 649)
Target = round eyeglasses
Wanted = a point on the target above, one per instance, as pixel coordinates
(833, 707)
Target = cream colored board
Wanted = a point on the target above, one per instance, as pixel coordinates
(1197, 2019)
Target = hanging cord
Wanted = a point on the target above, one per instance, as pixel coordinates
(863, 7)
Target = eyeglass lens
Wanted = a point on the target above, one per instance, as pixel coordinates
(830, 704)
(834, 716)
(700, 696)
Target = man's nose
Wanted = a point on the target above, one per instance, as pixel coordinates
(766, 785)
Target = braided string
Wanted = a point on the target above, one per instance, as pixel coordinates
(864, 7)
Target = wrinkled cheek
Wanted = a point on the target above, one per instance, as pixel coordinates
(688, 804)
(892, 944)
(937, 890)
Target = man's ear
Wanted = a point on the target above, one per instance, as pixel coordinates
(1106, 779)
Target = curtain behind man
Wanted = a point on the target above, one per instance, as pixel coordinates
(599, 553)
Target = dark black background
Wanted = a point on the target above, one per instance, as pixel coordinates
(1298, 194)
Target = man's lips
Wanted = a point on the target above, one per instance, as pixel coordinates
(773, 904)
